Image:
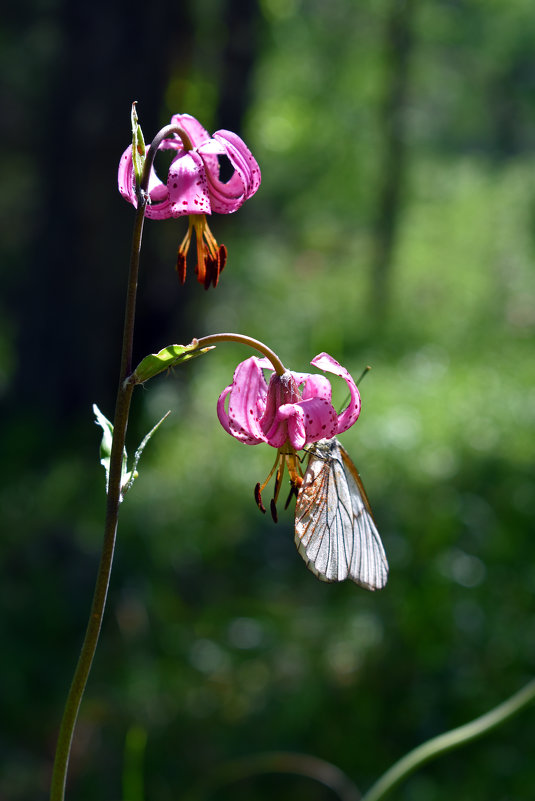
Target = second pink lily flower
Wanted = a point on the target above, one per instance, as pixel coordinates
(293, 410)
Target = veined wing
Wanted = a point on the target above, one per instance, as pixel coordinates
(334, 528)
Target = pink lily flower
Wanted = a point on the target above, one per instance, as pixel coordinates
(294, 410)
(194, 189)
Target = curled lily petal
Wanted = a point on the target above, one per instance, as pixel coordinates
(294, 415)
(157, 190)
(197, 134)
(302, 422)
(242, 159)
(126, 178)
(288, 424)
(317, 386)
(247, 399)
(228, 196)
(351, 413)
(321, 419)
(222, 414)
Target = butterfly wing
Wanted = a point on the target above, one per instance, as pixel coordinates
(369, 566)
(334, 529)
(323, 513)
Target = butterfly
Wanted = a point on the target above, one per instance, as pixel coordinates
(334, 528)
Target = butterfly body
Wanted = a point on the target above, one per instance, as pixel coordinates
(335, 532)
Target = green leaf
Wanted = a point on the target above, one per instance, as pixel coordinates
(131, 477)
(127, 476)
(138, 146)
(168, 357)
(105, 446)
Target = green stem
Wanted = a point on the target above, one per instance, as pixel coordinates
(450, 740)
(122, 409)
(213, 339)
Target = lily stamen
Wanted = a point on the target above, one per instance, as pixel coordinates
(260, 488)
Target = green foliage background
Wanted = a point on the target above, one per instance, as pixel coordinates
(218, 643)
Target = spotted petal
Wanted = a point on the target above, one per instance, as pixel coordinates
(351, 413)
(242, 159)
(228, 196)
(187, 186)
(321, 419)
(157, 190)
(126, 177)
(247, 401)
(293, 418)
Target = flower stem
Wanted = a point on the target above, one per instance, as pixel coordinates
(213, 339)
(248, 767)
(164, 133)
(450, 740)
(122, 409)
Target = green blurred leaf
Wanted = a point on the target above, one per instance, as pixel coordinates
(134, 752)
(166, 358)
(138, 145)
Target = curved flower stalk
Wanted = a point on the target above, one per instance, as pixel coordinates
(194, 189)
(293, 410)
(443, 743)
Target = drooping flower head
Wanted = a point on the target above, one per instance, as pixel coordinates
(194, 188)
(292, 411)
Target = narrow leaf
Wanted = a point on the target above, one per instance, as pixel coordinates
(131, 477)
(168, 357)
(138, 145)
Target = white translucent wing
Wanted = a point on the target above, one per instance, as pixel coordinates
(323, 515)
(369, 566)
(334, 529)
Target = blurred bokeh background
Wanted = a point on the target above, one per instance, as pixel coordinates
(395, 227)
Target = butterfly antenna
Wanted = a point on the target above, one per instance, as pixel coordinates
(359, 379)
(361, 376)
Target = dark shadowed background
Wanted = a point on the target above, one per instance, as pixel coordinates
(395, 226)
